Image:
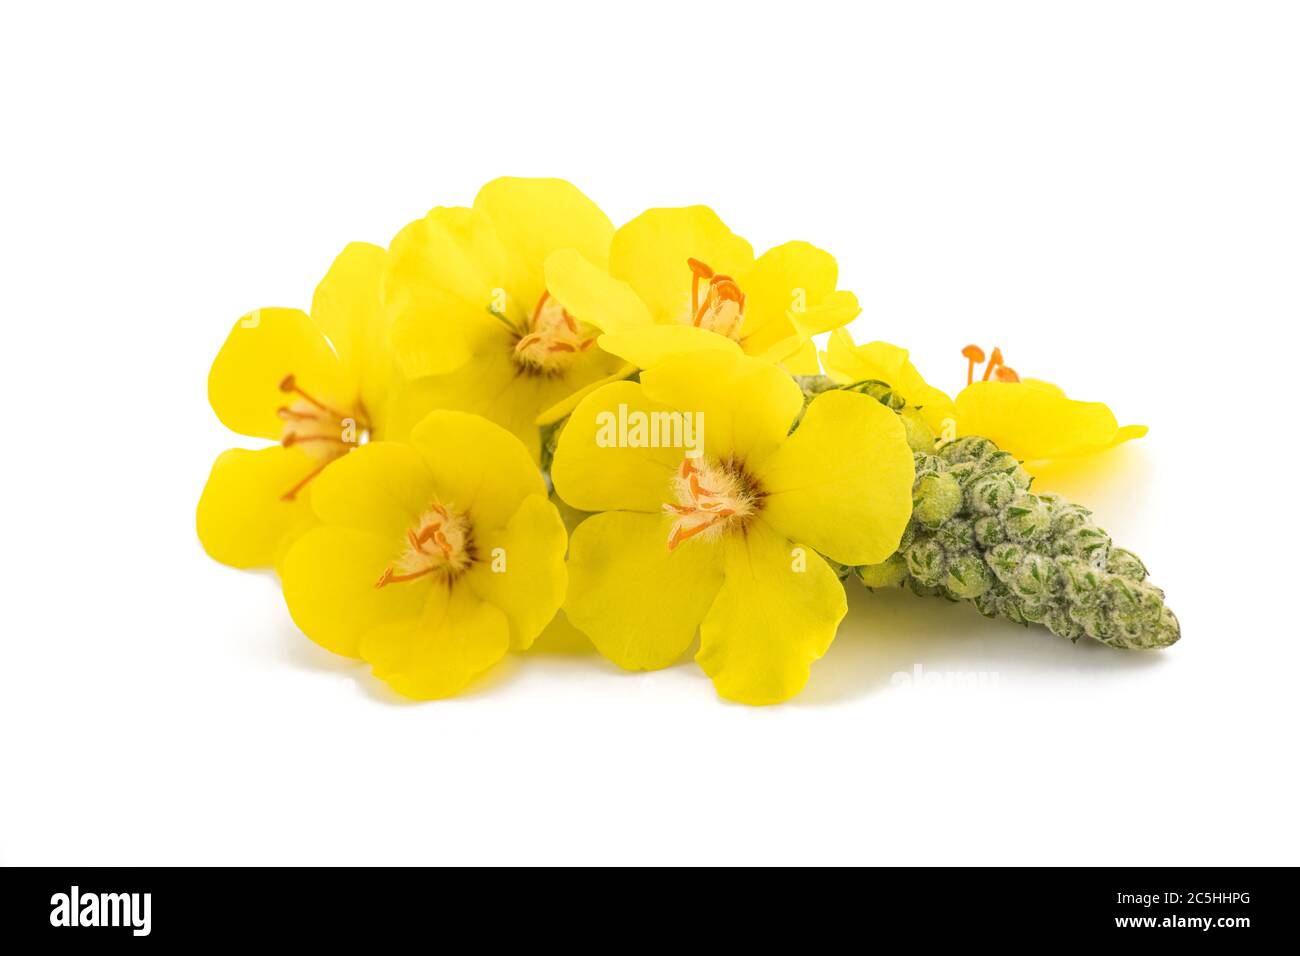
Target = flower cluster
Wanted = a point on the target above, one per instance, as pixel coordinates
(517, 416)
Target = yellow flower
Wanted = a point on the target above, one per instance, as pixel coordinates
(432, 558)
(315, 384)
(474, 324)
(1032, 419)
(713, 517)
(679, 280)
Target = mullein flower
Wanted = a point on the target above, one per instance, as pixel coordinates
(475, 326)
(1033, 420)
(714, 516)
(432, 558)
(316, 384)
(679, 281)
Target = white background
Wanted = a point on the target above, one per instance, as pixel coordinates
(1108, 191)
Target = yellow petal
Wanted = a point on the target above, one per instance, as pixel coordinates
(842, 483)
(565, 407)
(455, 638)
(777, 612)
(651, 345)
(243, 519)
(847, 363)
(329, 577)
(791, 291)
(1034, 422)
(535, 217)
(262, 349)
(650, 253)
(584, 373)
(1129, 432)
(490, 386)
(445, 277)
(748, 405)
(590, 294)
(477, 466)
(639, 602)
(381, 488)
(347, 309)
(561, 637)
(803, 361)
(521, 569)
(596, 466)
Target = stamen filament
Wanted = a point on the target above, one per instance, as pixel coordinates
(293, 492)
(388, 577)
(974, 355)
(996, 369)
(289, 384)
(293, 438)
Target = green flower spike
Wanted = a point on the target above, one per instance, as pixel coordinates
(979, 534)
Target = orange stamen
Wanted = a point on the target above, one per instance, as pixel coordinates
(996, 369)
(388, 577)
(680, 534)
(293, 438)
(537, 310)
(699, 270)
(293, 492)
(289, 384)
(994, 361)
(290, 414)
(974, 355)
(698, 489)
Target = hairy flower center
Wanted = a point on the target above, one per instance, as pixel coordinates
(722, 308)
(442, 544)
(996, 369)
(710, 499)
(553, 339)
(321, 430)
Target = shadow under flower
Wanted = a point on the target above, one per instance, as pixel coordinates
(893, 631)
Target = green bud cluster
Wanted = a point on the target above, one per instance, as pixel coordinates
(978, 534)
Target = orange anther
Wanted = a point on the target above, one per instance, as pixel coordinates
(974, 355)
(679, 534)
(697, 489)
(997, 370)
(700, 269)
